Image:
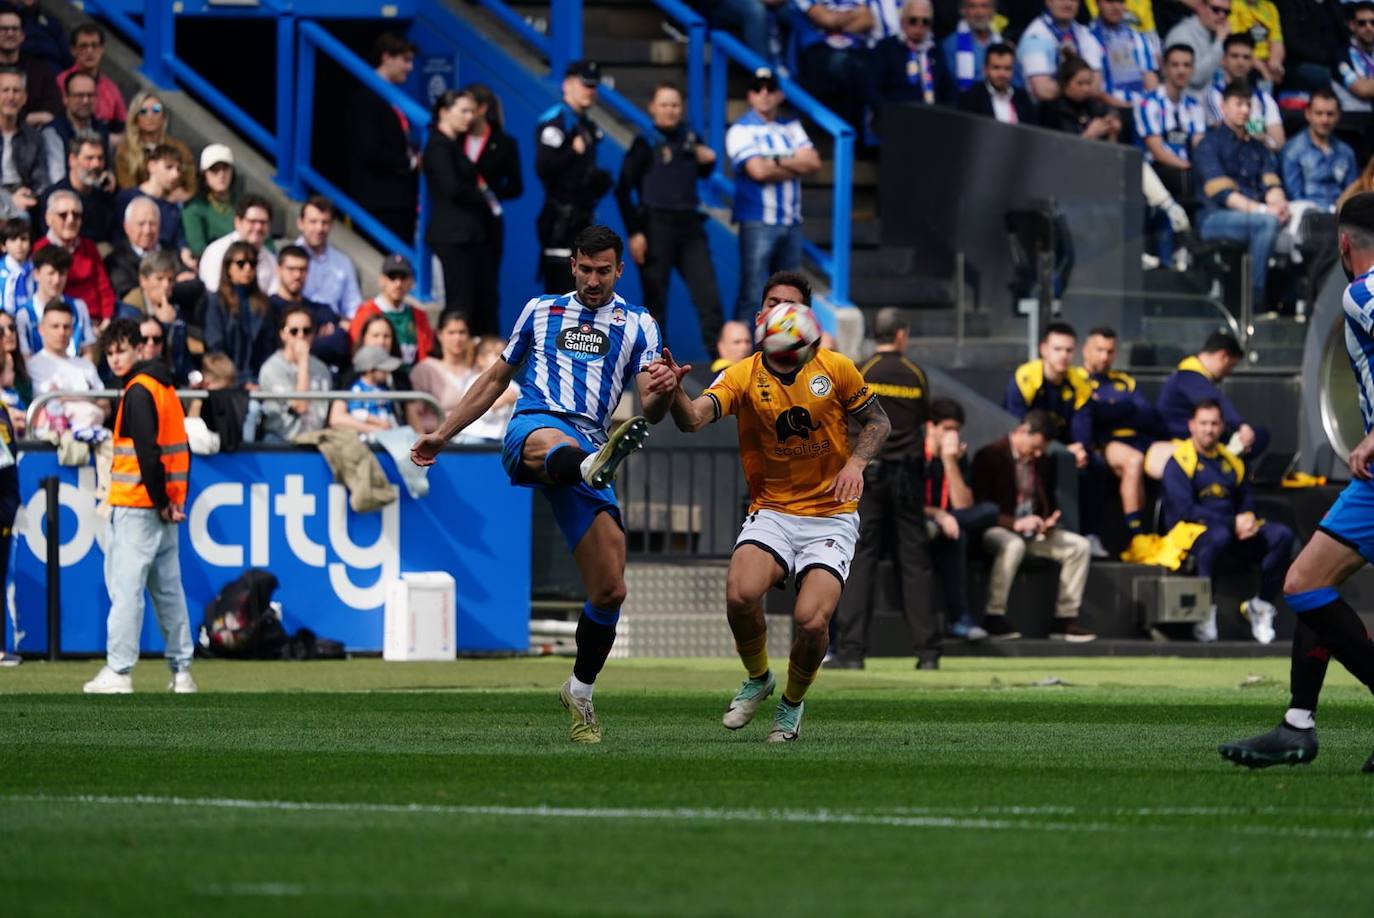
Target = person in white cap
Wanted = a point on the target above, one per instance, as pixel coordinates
(210, 214)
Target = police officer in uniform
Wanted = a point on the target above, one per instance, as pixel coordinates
(565, 161)
(657, 194)
(892, 508)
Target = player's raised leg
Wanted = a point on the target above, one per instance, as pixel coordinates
(754, 570)
(554, 457)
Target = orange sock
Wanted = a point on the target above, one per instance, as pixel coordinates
(798, 681)
(754, 654)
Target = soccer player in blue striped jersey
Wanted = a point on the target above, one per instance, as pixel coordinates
(1344, 541)
(573, 355)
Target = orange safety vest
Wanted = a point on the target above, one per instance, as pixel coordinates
(126, 481)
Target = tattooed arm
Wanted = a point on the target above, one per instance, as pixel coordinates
(849, 484)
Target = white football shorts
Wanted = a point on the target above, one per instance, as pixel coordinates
(800, 543)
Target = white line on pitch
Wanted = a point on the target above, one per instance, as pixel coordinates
(949, 819)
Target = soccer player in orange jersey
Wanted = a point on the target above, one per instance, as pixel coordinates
(805, 479)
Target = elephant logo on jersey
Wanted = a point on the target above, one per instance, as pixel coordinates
(584, 343)
(795, 422)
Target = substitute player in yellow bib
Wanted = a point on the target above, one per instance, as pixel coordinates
(805, 479)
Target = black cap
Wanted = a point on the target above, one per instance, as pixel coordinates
(763, 78)
(589, 72)
(397, 264)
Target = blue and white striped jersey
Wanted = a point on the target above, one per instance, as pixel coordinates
(1175, 123)
(577, 361)
(773, 203)
(1359, 341)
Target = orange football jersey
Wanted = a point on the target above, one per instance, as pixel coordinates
(793, 430)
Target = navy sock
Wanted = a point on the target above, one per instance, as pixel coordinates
(1307, 671)
(1134, 523)
(564, 464)
(1338, 629)
(595, 638)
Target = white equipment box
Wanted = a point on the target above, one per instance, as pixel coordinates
(421, 618)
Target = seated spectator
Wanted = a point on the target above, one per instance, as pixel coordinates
(965, 48)
(1264, 120)
(16, 270)
(1117, 423)
(332, 344)
(9, 396)
(88, 177)
(145, 131)
(51, 270)
(27, 169)
(1317, 165)
(44, 37)
(1313, 33)
(410, 325)
(226, 408)
(382, 160)
(1051, 39)
(19, 391)
(1129, 59)
(291, 369)
(164, 178)
(377, 331)
(1170, 122)
(42, 102)
(1259, 19)
(88, 48)
(373, 368)
(736, 342)
(1196, 380)
(1015, 474)
(753, 22)
(834, 48)
(155, 303)
(1205, 32)
(78, 117)
(908, 67)
(252, 223)
(333, 280)
(1076, 108)
(210, 214)
(1205, 483)
(238, 319)
(1050, 385)
(137, 239)
(449, 376)
(953, 520)
(995, 96)
(1356, 65)
(1243, 197)
(55, 368)
(87, 280)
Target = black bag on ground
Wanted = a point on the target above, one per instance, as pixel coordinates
(240, 623)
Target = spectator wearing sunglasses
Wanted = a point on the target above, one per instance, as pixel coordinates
(88, 280)
(238, 317)
(411, 326)
(1356, 66)
(146, 130)
(1205, 32)
(292, 369)
(909, 67)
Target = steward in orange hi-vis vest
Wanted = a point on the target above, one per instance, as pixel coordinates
(152, 457)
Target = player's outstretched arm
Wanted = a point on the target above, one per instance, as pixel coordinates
(849, 484)
(490, 386)
(658, 386)
(689, 415)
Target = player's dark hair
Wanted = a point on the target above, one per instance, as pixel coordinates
(53, 256)
(1206, 404)
(1103, 331)
(1224, 342)
(1037, 421)
(120, 331)
(1236, 89)
(946, 409)
(1237, 38)
(1178, 47)
(1058, 328)
(788, 279)
(598, 238)
(1356, 213)
(15, 228)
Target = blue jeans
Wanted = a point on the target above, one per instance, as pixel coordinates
(1257, 230)
(751, 20)
(142, 553)
(763, 249)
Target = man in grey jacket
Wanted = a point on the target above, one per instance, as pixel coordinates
(1204, 33)
(26, 172)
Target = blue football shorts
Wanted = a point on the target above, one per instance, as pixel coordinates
(1351, 518)
(574, 508)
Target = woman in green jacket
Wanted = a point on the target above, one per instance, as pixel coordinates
(210, 214)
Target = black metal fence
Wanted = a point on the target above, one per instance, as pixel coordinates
(682, 501)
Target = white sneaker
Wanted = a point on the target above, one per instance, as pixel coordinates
(182, 683)
(1206, 631)
(109, 682)
(747, 700)
(1261, 615)
(1096, 550)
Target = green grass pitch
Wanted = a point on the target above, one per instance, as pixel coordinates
(367, 788)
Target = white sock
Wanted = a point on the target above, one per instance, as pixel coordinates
(580, 689)
(586, 468)
(1299, 719)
